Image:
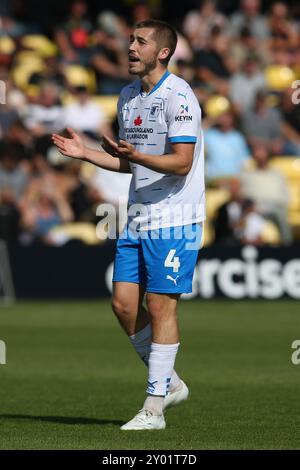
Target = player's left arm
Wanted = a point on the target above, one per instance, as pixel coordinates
(179, 162)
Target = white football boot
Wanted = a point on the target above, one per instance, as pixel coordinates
(145, 420)
(176, 397)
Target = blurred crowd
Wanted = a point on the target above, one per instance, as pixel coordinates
(243, 67)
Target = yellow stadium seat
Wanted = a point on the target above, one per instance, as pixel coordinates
(28, 58)
(84, 231)
(7, 45)
(279, 77)
(216, 105)
(270, 233)
(214, 199)
(39, 43)
(108, 104)
(77, 75)
(22, 73)
(208, 234)
(294, 190)
(289, 166)
(296, 70)
(294, 218)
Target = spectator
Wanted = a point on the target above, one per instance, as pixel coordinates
(290, 112)
(251, 225)
(268, 189)
(10, 27)
(110, 59)
(84, 115)
(51, 73)
(72, 37)
(249, 15)
(213, 64)
(183, 51)
(248, 45)
(226, 148)
(229, 216)
(283, 30)
(244, 85)
(9, 216)
(197, 24)
(48, 211)
(46, 115)
(263, 125)
(8, 110)
(186, 70)
(12, 175)
(83, 197)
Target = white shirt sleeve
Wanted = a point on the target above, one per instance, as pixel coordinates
(120, 118)
(183, 115)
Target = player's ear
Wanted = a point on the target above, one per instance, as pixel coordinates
(164, 53)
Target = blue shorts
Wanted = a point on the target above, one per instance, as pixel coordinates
(163, 260)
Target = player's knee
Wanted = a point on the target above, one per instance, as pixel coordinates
(156, 308)
(121, 308)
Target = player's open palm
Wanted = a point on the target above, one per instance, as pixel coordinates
(72, 147)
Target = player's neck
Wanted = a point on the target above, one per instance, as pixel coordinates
(151, 79)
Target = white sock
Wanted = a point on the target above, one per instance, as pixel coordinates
(141, 342)
(161, 364)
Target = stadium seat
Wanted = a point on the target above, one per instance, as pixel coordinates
(21, 73)
(279, 77)
(294, 218)
(77, 75)
(108, 104)
(7, 45)
(289, 166)
(83, 231)
(208, 234)
(28, 58)
(214, 199)
(294, 190)
(216, 105)
(39, 43)
(270, 234)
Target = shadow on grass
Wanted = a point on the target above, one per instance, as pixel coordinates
(63, 419)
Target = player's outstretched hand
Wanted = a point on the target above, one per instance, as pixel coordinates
(122, 149)
(72, 147)
(110, 146)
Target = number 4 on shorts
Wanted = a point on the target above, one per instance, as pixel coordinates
(172, 261)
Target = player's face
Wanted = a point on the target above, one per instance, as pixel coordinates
(143, 52)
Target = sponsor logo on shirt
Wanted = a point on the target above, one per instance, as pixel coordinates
(182, 114)
(138, 132)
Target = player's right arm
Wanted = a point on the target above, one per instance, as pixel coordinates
(74, 147)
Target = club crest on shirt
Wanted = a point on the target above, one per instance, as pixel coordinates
(155, 109)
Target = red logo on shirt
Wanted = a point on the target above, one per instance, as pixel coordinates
(138, 121)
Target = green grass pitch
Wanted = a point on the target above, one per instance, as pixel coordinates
(72, 378)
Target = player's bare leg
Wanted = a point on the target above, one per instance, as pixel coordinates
(163, 317)
(127, 304)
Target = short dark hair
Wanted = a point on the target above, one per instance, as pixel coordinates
(164, 34)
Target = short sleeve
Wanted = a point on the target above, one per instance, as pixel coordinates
(120, 117)
(183, 115)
